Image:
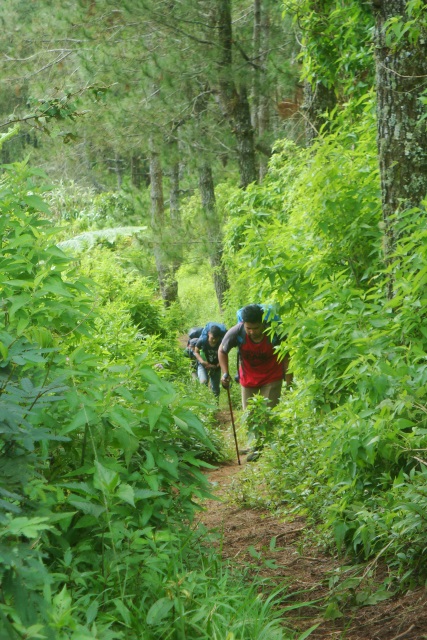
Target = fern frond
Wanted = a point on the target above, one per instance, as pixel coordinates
(87, 239)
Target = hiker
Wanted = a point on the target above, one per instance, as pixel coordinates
(191, 344)
(208, 369)
(193, 336)
(260, 370)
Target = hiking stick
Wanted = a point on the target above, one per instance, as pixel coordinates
(232, 422)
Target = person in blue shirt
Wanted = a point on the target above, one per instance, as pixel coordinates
(206, 353)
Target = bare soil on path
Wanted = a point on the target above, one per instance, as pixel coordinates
(246, 539)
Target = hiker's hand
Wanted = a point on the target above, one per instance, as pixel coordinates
(225, 380)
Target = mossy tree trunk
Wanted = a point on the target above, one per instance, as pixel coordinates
(401, 71)
(167, 282)
(176, 248)
(213, 231)
(261, 98)
(234, 99)
(319, 95)
(318, 101)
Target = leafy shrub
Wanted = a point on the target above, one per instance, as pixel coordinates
(197, 294)
(101, 461)
(347, 451)
(135, 292)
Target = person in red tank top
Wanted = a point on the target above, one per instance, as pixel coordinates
(260, 370)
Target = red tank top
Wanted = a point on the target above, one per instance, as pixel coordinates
(258, 363)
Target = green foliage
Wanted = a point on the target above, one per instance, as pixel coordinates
(337, 44)
(102, 457)
(348, 449)
(197, 294)
(128, 286)
(260, 421)
(72, 201)
(88, 239)
(315, 217)
(409, 27)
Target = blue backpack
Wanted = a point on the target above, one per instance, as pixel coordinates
(195, 332)
(270, 316)
(207, 327)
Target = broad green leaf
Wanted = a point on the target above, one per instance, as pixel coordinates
(4, 352)
(150, 376)
(144, 494)
(124, 611)
(86, 522)
(332, 612)
(126, 493)
(158, 611)
(92, 611)
(149, 462)
(189, 457)
(117, 415)
(129, 443)
(56, 286)
(340, 529)
(195, 424)
(27, 527)
(153, 414)
(20, 283)
(18, 302)
(87, 507)
(82, 417)
(168, 461)
(37, 203)
(105, 479)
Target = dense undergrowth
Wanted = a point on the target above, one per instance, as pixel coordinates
(349, 452)
(103, 446)
(104, 438)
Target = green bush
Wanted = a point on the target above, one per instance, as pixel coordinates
(347, 451)
(135, 292)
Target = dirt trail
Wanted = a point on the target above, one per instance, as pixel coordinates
(246, 538)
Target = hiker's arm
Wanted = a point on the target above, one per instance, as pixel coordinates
(223, 360)
(229, 341)
(223, 363)
(199, 357)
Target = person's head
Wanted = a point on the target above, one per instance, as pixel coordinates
(252, 316)
(214, 335)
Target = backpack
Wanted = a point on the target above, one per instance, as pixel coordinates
(188, 351)
(269, 316)
(194, 332)
(206, 329)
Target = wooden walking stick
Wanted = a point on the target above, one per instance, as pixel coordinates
(232, 422)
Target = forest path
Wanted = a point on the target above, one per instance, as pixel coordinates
(273, 549)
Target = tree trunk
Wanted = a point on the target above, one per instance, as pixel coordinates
(117, 168)
(241, 117)
(167, 283)
(256, 40)
(176, 252)
(135, 170)
(213, 231)
(318, 98)
(264, 98)
(234, 99)
(401, 70)
(174, 208)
